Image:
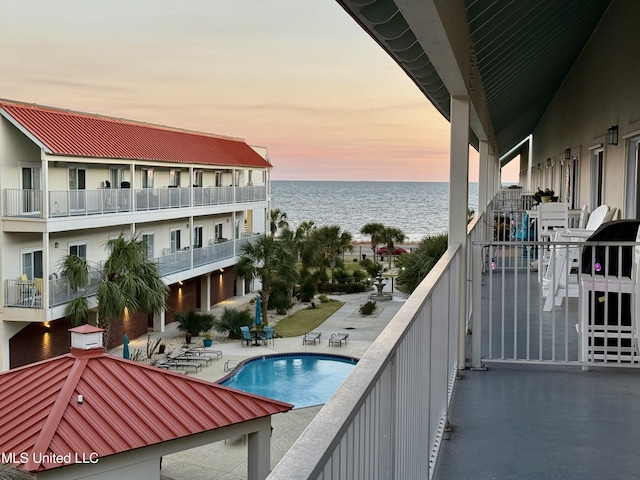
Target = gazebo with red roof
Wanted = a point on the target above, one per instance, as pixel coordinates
(88, 414)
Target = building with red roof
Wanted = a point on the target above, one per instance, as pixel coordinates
(71, 181)
(88, 414)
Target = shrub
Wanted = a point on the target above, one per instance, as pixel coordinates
(308, 289)
(371, 267)
(323, 298)
(415, 266)
(279, 301)
(359, 275)
(368, 308)
(193, 322)
(232, 320)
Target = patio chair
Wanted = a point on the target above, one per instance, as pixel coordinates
(311, 337)
(558, 280)
(610, 300)
(338, 338)
(246, 335)
(267, 334)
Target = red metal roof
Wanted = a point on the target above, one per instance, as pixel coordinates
(126, 405)
(68, 133)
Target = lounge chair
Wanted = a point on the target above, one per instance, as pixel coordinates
(311, 337)
(192, 358)
(246, 335)
(338, 338)
(207, 352)
(177, 363)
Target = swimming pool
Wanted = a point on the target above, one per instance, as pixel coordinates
(303, 379)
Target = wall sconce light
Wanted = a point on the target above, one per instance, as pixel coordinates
(180, 283)
(549, 162)
(612, 135)
(56, 245)
(567, 154)
(221, 270)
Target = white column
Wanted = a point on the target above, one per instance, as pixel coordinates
(459, 183)
(530, 161)
(259, 454)
(159, 321)
(485, 187)
(205, 292)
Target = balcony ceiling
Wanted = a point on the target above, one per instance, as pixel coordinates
(523, 50)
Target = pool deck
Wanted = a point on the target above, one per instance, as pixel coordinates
(228, 460)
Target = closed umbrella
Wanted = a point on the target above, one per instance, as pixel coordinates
(258, 320)
(125, 348)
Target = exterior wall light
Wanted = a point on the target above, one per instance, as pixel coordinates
(612, 135)
(567, 154)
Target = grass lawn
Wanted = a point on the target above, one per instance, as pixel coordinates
(307, 319)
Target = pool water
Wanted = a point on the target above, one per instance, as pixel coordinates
(303, 380)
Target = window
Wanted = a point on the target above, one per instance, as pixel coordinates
(197, 178)
(572, 182)
(250, 178)
(218, 179)
(32, 263)
(597, 177)
(237, 229)
(174, 178)
(197, 236)
(30, 181)
(175, 241)
(116, 176)
(147, 238)
(78, 249)
(147, 178)
(77, 186)
(237, 178)
(218, 231)
(632, 197)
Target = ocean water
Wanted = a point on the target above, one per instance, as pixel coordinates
(417, 208)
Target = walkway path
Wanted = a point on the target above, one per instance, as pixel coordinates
(229, 460)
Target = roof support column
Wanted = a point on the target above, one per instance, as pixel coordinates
(485, 186)
(458, 205)
(259, 453)
(205, 292)
(529, 164)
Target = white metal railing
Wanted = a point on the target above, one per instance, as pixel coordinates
(212, 195)
(22, 203)
(212, 253)
(65, 203)
(555, 302)
(28, 293)
(387, 419)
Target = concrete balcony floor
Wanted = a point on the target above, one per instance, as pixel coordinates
(543, 422)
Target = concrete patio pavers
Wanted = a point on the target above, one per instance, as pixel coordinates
(228, 460)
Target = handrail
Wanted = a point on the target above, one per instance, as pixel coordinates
(383, 403)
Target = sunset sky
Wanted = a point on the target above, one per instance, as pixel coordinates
(299, 77)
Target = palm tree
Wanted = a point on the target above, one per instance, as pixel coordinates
(129, 280)
(374, 229)
(329, 243)
(278, 220)
(389, 236)
(268, 259)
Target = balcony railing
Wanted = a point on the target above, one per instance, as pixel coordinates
(388, 418)
(28, 293)
(66, 203)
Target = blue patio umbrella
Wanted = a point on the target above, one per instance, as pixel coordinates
(258, 320)
(125, 348)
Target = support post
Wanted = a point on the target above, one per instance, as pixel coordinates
(485, 187)
(458, 205)
(259, 453)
